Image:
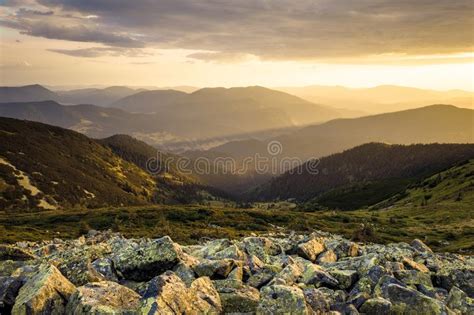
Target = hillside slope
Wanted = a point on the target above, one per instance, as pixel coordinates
(366, 174)
(93, 121)
(455, 184)
(46, 167)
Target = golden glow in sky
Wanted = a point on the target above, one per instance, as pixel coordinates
(83, 43)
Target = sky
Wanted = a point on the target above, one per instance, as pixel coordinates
(422, 43)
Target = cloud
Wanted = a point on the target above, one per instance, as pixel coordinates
(277, 29)
(22, 65)
(101, 51)
(220, 57)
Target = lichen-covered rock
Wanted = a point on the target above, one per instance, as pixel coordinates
(46, 292)
(281, 299)
(414, 278)
(211, 248)
(290, 274)
(185, 272)
(9, 287)
(376, 306)
(204, 297)
(337, 298)
(74, 260)
(263, 276)
(261, 247)
(311, 249)
(8, 252)
(462, 277)
(316, 300)
(277, 272)
(141, 262)
(254, 263)
(231, 252)
(413, 265)
(103, 269)
(243, 299)
(7, 267)
(311, 274)
(380, 289)
(166, 294)
(214, 268)
(420, 246)
(361, 264)
(459, 301)
(327, 257)
(345, 278)
(103, 298)
(409, 301)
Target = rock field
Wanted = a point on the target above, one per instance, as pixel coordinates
(320, 273)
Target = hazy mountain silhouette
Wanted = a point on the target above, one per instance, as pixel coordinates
(28, 93)
(380, 99)
(101, 97)
(436, 123)
(261, 107)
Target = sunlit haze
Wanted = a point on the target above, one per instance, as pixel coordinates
(208, 43)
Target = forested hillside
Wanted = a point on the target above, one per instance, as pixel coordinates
(365, 175)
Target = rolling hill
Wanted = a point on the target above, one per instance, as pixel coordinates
(28, 93)
(47, 168)
(365, 175)
(256, 106)
(94, 121)
(100, 97)
(430, 124)
(167, 116)
(456, 184)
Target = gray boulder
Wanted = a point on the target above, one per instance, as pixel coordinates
(9, 287)
(376, 306)
(281, 299)
(409, 301)
(142, 262)
(166, 294)
(242, 299)
(103, 298)
(311, 249)
(46, 292)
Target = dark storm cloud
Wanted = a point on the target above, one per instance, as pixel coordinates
(278, 29)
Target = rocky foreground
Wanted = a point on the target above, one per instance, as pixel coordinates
(105, 273)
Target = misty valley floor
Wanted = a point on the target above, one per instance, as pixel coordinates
(444, 226)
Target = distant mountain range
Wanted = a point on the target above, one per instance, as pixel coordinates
(365, 175)
(44, 167)
(28, 93)
(165, 115)
(258, 106)
(436, 123)
(94, 121)
(380, 99)
(100, 97)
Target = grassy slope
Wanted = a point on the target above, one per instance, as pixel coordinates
(445, 221)
(68, 168)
